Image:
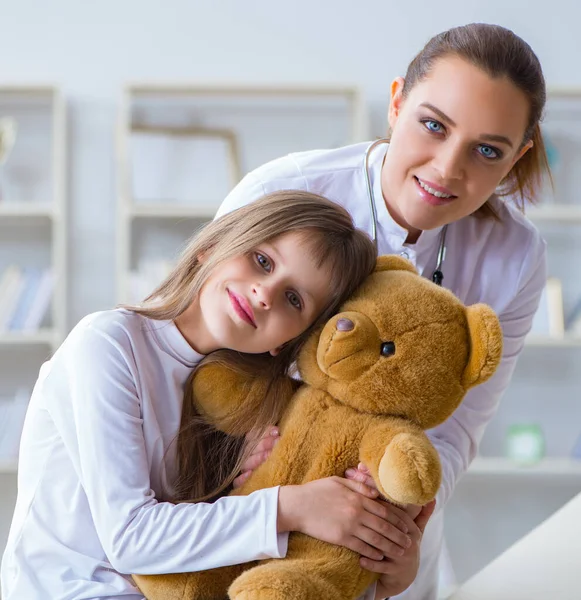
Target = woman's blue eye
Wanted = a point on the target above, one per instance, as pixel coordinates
(263, 262)
(433, 126)
(294, 299)
(488, 152)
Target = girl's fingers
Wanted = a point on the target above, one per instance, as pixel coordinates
(241, 479)
(356, 475)
(359, 487)
(385, 530)
(385, 567)
(381, 543)
(255, 460)
(363, 549)
(392, 514)
(265, 445)
(361, 473)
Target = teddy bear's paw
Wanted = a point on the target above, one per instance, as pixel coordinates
(410, 471)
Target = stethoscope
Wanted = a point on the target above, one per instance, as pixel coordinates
(437, 275)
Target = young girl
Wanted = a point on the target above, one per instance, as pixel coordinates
(97, 462)
(464, 133)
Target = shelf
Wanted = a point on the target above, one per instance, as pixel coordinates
(173, 211)
(567, 341)
(26, 209)
(548, 467)
(8, 465)
(20, 338)
(570, 215)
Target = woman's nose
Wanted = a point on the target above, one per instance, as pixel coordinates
(449, 161)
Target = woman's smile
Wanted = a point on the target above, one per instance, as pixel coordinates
(433, 194)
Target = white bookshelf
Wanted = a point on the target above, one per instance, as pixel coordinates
(257, 122)
(33, 234)
(41, 103)
(502, 467)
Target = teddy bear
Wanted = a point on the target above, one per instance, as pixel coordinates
(395, 361)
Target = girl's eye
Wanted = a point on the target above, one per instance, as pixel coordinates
(294, 299)
(433, 126)
(264, 262)
(489, 152)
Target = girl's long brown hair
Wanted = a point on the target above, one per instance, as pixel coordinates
(500, 53)
(208, 460)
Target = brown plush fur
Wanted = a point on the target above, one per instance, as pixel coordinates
(356, 405)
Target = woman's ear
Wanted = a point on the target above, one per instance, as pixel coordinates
(396, 100)
(522, 152)
(275, 351)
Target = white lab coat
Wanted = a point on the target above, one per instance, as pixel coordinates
(502, 264)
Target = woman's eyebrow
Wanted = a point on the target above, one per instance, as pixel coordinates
(441, 114)
(490, 137)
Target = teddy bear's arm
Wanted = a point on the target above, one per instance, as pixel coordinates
(402, 460)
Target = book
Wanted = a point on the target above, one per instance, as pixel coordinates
(41, 302)
(32, 278)
(7, 278)
(573, 323)
(11, 298)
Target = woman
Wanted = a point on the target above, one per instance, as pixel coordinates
(464, 154)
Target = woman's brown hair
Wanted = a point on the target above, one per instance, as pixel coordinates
(500, 53)
(208, 461)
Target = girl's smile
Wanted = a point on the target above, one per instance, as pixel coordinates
(242, 308)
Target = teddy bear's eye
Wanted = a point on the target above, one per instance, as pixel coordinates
(387, 349)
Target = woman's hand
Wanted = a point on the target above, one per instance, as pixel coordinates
(258, 456)
(345, 513)
(398, 573)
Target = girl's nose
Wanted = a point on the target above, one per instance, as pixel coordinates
(262, 295)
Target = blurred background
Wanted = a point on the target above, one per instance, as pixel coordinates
(124, 124)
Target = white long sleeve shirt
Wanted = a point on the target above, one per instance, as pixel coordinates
(502, 264)
(96, 457)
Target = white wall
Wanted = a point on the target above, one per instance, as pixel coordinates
(92, 49)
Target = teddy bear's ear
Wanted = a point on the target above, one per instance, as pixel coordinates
(486, 344)
(392, 262)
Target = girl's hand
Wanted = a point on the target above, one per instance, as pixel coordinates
(260, 454)
(345, 513)
(398, 573)
(362, 474)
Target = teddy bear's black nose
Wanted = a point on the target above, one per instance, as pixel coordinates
(345, 325)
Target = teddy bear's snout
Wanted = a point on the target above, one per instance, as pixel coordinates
(348, 346)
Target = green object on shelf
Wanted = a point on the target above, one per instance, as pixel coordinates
(525, 443)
